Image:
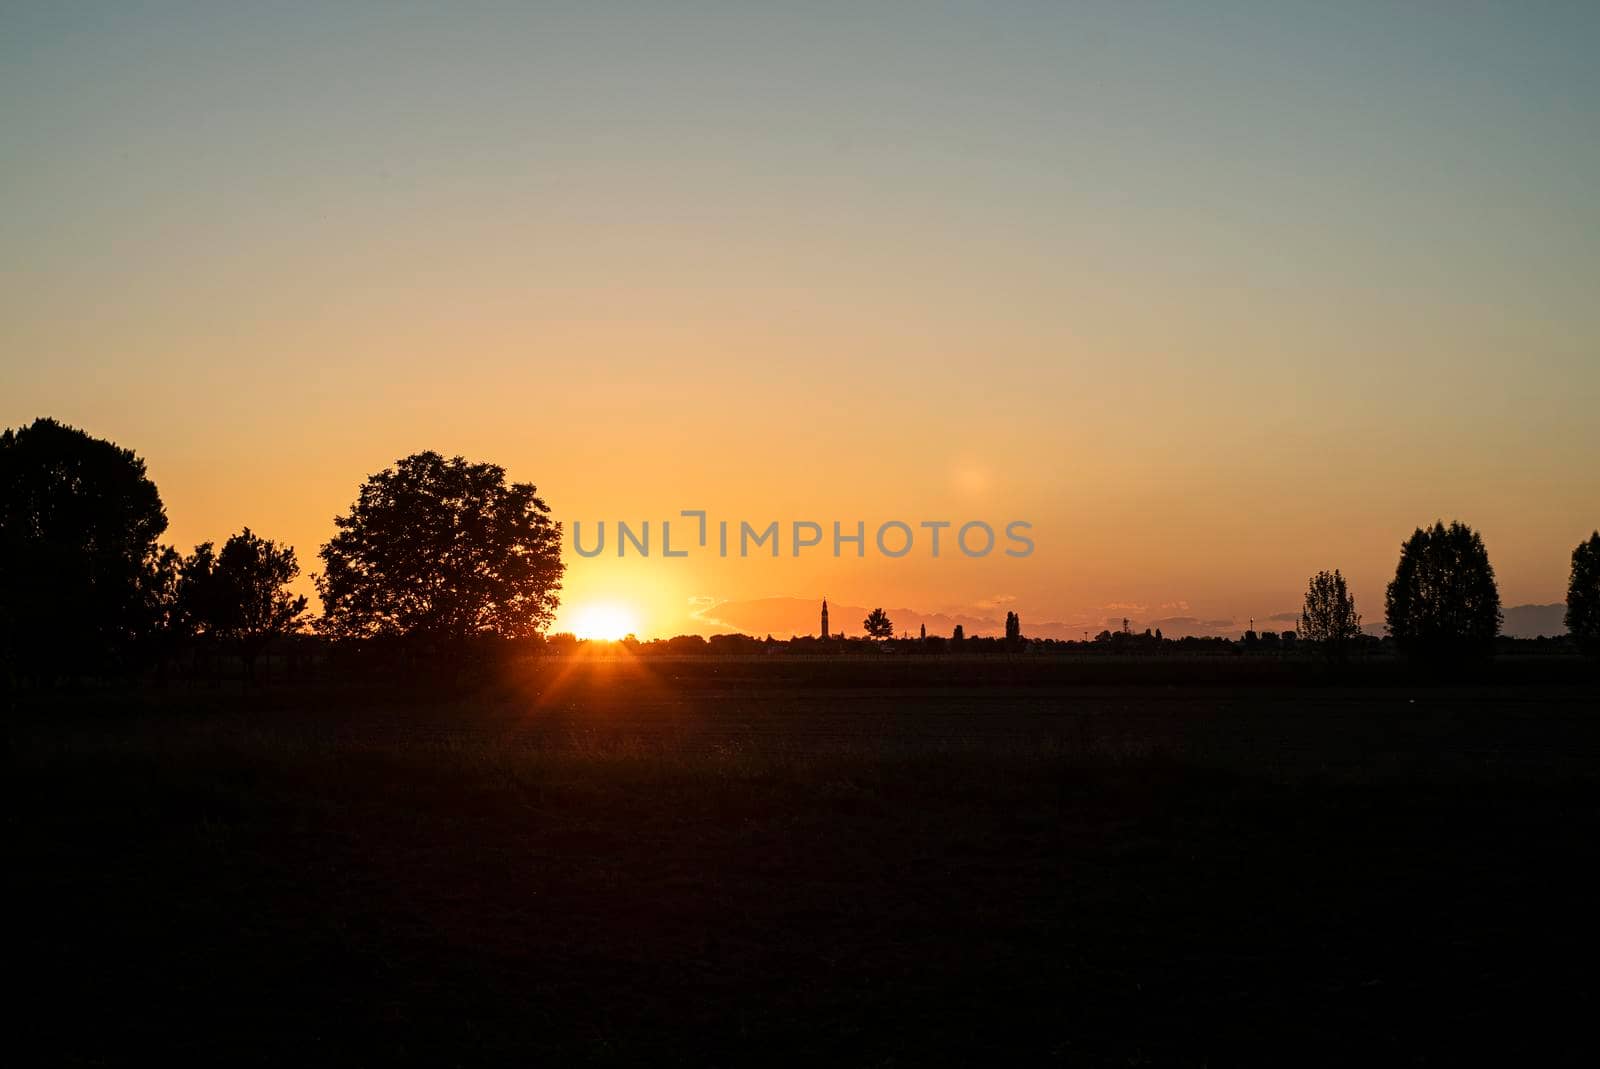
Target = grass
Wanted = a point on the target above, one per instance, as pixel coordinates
(603, 868)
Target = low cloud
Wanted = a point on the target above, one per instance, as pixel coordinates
(1534, 621)
(702, 611)
(1193, 627)
(785, 617)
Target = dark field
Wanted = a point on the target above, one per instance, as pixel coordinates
(723, 864)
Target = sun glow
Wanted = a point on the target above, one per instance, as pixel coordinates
(606, 621)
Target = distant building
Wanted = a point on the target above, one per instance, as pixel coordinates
(824, 618)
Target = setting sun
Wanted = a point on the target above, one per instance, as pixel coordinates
(606, 621)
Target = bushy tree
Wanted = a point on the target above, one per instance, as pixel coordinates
(79, 560)
(442, 550)
(878, 625)
(240, 598)
(1583, 596)
(1443, 602)
(199, 600)
(163, 606)
(1329, 617)
(1013, 627)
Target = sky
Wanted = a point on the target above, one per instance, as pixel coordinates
(1212, 296)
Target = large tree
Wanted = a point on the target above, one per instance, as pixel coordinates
(1583, 595)
(442, 550)
(1329, 617)
(1443, 602)
(80, 567)
(240, 597)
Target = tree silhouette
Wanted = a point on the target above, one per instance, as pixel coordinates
(878, 625)
(163, 606)
(200, 601)
(79, 520)
(239, 597)
(1443, 602)
(1013, 627)
(1583, 596)
(442, 550)
(959, 634)
(1329, 616)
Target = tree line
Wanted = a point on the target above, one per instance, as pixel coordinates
(439, 554)
(435, 552)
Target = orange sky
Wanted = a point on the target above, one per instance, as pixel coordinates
(1212, 304)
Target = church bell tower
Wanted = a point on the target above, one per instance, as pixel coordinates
(824, 617)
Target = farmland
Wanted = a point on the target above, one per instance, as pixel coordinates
(604, 861)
